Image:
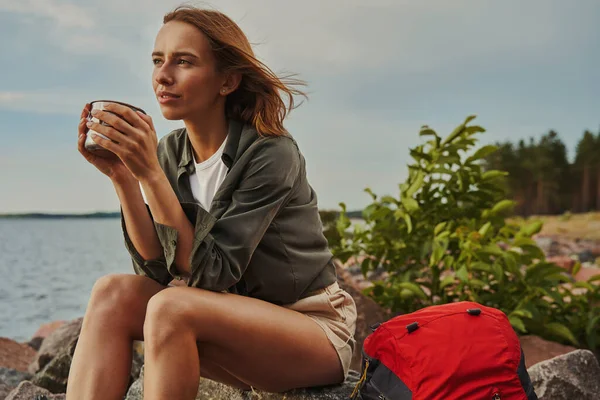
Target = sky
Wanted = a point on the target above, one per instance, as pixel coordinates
(377, 71)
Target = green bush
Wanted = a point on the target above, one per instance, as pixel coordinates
(328, 219)
(445, 238)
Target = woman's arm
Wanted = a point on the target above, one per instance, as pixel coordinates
(132, 137)
(138, 221)
(166, 210)
(141, 239)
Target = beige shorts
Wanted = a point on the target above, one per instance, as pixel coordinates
(334, 310)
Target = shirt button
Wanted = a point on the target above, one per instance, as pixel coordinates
(174, 242)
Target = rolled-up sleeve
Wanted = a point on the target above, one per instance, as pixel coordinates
(222, 248)
(155, 269)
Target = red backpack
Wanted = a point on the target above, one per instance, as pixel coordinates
(456, 351)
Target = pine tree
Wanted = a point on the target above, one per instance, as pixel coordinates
(584, 162)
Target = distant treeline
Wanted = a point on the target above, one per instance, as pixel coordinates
(62, 216)
(543, 181)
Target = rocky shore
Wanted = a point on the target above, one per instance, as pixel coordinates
(38, 369)
(27, 374)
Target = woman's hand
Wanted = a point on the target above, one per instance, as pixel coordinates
(109, 164)
(133, 139)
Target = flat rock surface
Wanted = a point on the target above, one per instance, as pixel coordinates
(55, 344)
(572, 376)
(27, 391)
(15, 355)
(216, 391)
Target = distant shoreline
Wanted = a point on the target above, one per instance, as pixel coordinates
(102, 215)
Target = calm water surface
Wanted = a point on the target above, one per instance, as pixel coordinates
(48, 268)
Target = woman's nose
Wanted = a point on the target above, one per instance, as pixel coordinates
(163, 76)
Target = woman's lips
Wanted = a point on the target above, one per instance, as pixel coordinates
(167, 98)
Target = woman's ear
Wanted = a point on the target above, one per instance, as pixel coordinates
(231, 83)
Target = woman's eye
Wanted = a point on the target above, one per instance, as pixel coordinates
(181, 61)
(155, 61)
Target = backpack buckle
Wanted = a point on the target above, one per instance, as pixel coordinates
(412, 327)
(375, 326)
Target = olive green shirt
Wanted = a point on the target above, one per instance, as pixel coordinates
(262, 236)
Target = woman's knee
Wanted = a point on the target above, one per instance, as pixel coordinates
(116, 297)
(167, 315)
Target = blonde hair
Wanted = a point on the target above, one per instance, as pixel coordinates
(259, 99)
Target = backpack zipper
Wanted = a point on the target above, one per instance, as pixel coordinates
(381, 395)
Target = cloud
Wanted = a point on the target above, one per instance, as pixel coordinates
(11, 97)
(64, 102)
(315, 36)
(350, 38)
(338, 36)
(77, 30)
(63, 14)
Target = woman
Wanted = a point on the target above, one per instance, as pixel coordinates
(230, 217)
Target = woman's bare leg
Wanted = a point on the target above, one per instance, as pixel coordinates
(261, 344)
(215, 372)
(113, 320)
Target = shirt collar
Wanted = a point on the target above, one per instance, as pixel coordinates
(229, 153)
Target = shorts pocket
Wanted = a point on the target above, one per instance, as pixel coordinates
(341, 303)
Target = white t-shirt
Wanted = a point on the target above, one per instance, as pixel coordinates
(208, 177)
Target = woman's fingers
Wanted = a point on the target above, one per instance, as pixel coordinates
(147, 119)
(82, 128)
(115, 121)
(86, 110)
(81, 147)
(110, 132)
(107, 144)
(126, 113)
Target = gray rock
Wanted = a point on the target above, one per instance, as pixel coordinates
(5, 390)
(586, 256)
(137, 361)
(355, 269)
(28, 391)
(36, 343)
(136, 390)
(53, 376)
(55, 344)
(545, 243)
(217, 391)
(575, 375)
(12, 377)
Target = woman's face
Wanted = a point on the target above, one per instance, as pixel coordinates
(185, 78)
